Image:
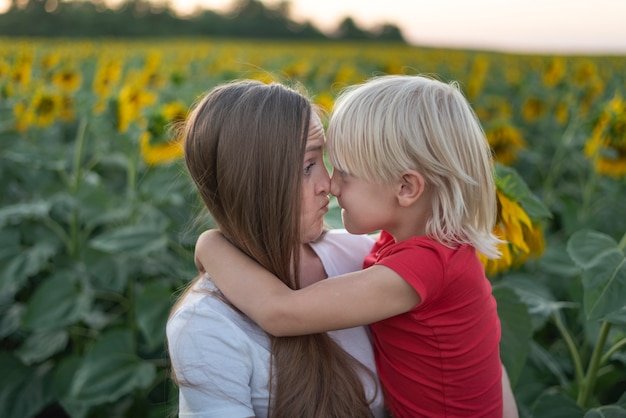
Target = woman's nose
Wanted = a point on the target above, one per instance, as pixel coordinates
(323, 184)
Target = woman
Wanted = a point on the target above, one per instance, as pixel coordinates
(255, 153)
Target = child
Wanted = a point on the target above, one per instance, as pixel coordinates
(412, 161)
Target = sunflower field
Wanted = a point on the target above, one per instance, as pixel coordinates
(98, 218)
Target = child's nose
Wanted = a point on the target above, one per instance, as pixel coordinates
(334, 184)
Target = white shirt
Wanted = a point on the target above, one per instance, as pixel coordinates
(221, 358)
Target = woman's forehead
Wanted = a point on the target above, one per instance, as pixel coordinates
(316, 132)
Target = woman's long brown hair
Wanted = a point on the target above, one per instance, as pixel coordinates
(244, 148)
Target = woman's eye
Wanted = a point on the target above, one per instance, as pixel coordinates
(307, 168)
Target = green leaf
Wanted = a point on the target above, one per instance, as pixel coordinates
(556, 261)
(41, 345)
(134, 239)
(64, 372)
(545, 359)
(62, 378)
(57, 302)
(109, 273)
(152, 309)
(10, 319)
(604, 272)
(9, 239)
(513, 186)
(17, 213)
(585, 247)
(24, 264)
(537, 297)
(557, 406)
(24, 391)
(610, 411)
(516, 331)
(110, 370)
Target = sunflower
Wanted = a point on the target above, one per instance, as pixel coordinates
(607, 145)
(46, 107)
(160, 153)
(493, 108)
(480, 66)
(346, 74)
(49, 61)
(554, 72)
(519, 222)
(585, 70)
(5, 69)
(297, 69)
(325, 101)
(68, 108)
(505, 140)
(107, 74)
(130, 102)
(533, 109)
(24, 117)
(561, 113)
(523, 237)
(67, 79)
(21, 74)
(263, 77)
(158, 144)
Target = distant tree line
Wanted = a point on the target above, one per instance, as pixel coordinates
(142, 18)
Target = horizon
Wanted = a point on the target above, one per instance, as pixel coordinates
(515, 26)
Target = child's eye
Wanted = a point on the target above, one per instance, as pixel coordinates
(307, 168)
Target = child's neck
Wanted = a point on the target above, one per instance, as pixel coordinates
(405, 230)
(410, 221)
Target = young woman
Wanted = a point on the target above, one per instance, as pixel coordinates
(255, 153)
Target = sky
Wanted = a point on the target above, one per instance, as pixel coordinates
(549, 26)
(534, 26)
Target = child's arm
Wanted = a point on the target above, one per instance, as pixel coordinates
(350, 300)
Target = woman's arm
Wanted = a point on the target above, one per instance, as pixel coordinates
(347, 301)
(509, 405)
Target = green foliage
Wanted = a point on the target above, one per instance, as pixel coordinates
(94, 244)
(87, 278)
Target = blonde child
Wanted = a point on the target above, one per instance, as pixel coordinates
(410, 160)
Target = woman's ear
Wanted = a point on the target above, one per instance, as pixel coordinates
(411, 187)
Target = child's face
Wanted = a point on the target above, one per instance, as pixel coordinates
(315, 184)
(365, 206)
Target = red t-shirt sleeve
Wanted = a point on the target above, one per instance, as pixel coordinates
(384, 239)
(417, 260)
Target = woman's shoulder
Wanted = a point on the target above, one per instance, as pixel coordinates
(201, 313)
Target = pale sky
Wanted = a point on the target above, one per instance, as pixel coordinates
(512, 25)
(545, 26)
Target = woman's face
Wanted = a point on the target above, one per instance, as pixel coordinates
(315, 184)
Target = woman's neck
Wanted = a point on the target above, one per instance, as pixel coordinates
(311, 267)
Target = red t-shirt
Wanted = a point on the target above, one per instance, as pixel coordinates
(442, 358)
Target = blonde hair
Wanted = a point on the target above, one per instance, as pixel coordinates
(391, 124)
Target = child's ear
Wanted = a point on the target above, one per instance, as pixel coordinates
(411, 187)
